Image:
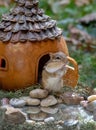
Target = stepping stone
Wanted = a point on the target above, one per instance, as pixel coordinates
(33, 102)
(49, 101)
(38, 117)
(49, 110)
(17, 102)
(31, 110)
(39, 93)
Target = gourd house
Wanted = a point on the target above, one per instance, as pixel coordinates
(27, 37)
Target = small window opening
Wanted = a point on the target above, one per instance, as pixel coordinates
(2, 63)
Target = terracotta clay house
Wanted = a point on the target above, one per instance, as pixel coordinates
(27, 36)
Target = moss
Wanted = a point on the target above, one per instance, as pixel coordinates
(88, 126)
(18, 93)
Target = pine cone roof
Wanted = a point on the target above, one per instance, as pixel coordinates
(26, 22)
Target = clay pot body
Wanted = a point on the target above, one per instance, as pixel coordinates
(20, 68)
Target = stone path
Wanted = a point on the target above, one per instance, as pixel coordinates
(46, 110)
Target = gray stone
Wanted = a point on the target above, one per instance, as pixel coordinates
(24, 98)
(91, 106)
(94, 115)
(72, 112)
(49, 101)
(33, 102)
(31, 122)
(49, 120)
(60, 127)
(37, 117)
(17, 102)
(70, 124)
(49, 110)
(39, 93)
(61, 106)
(31, 110)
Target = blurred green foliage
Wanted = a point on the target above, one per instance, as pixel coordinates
(70, 14)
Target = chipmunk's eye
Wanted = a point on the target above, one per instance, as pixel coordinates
(58, 58)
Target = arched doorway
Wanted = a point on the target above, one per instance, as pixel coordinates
(41, 64)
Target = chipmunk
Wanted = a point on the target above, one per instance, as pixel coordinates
(5, 3)
(53, 72)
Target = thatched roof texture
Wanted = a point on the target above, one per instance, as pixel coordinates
(26, 22)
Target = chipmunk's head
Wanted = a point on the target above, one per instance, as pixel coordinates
(57, 65)
(59, 56)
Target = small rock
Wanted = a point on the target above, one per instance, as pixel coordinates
(37, 117)
(5, 101)
(62, 106)
(49, 101)
(49, 110)
(84, 103)
(94, 115)
(94, 91)
(14, 116)
(59, 101)
(17, 102)
(24, 98)
(30, 122)
(91, 98)
(60, 127)
(33, 102)
(32, 110)
(39, 93)
(70, 124)
(49, 120)
(71, 98)
(91, 106)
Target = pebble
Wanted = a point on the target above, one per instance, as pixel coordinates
(32, 110)
(49, 101)
(71, 123)
(59, 101)
(62, 106)
(5, 101)
(49, 110)
(94, 91)
(30, 122)
(38, 117)
(49, 120)
(24, 98)
(91, 98)
(39, 93)
(94, 115)
(84, 103)
(91, 106)
(60, 127)
(17, 102)
(33, 102)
